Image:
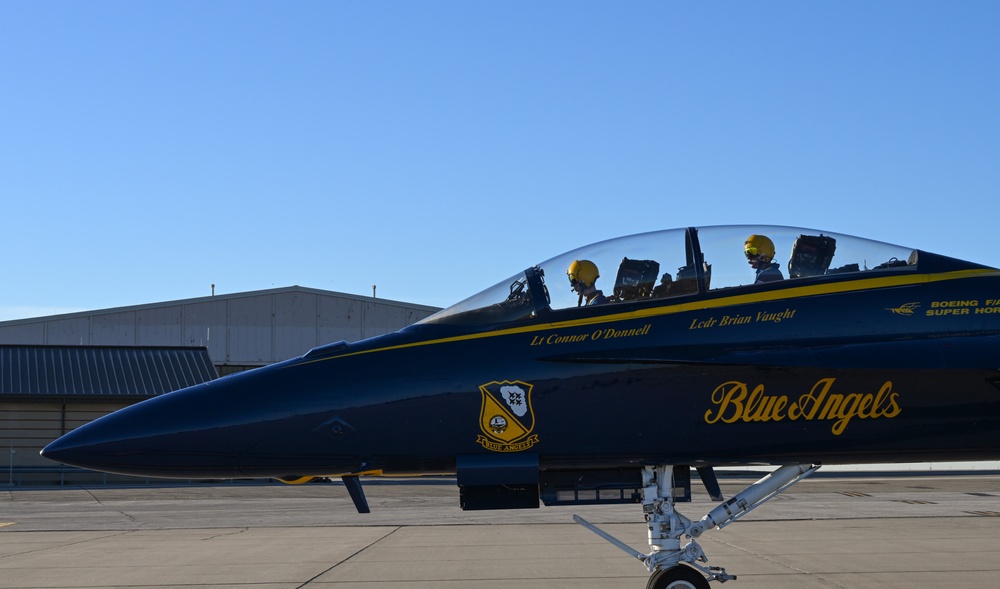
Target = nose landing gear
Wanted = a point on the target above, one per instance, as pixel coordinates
(674, 566)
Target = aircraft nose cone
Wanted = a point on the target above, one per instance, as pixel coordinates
(94, 446)
(171, 436)
(257, 423)
(68, 449)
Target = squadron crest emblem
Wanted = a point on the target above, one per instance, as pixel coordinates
(506, 417)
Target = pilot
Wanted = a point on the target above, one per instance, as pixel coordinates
(759, 250)
(583, 277)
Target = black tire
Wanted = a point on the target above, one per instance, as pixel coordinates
(678, 577)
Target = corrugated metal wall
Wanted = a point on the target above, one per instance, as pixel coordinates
(26, 427)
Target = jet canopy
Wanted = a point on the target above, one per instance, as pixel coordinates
(687, 262)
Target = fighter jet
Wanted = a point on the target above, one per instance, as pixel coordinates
(699, 348)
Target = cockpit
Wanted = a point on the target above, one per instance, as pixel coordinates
(674, 263)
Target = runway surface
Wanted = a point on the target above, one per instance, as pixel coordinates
(832, 533)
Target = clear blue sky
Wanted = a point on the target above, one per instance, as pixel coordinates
(151, 149)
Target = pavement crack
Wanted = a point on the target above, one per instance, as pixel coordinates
(818, 576)
(65, 544)
(232, 533)
(101, 503)
(337, 564)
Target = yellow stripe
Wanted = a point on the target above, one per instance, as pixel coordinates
(701, 305)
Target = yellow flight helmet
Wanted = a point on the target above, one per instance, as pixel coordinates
(583, 271)
(757, 246)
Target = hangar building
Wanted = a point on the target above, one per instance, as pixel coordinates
(61, 371)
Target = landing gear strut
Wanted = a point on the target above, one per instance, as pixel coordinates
(675, 566)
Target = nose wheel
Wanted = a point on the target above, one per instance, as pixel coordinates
(678, 577)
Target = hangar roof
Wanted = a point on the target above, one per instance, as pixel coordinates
(240, 330)
(111, 371)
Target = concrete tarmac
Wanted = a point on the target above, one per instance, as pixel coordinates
(825, 532)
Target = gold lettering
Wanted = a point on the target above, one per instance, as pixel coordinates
(761, 407)
(775, 317)
(955, 304)
(944, 312)
(779, 407)
(734, 401)
(765, 409)
(515, 447)
(867, 402)
(616, 333)
(832, 406)
(729, 398)
(737, 320)
(893, 409)
(753, 401)
(809, 404)
(848, 409)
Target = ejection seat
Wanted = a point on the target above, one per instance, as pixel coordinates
(811, 255)
(685, 283)
(635, 279)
